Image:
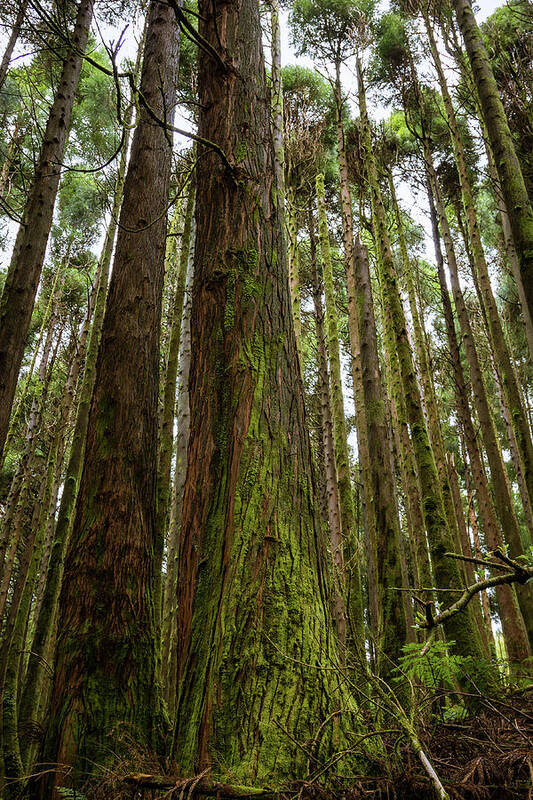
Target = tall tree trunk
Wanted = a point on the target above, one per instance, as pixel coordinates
(166, 432)
(514, 190)
(392, 630)
(342, 459)
(182, 443)
(351, 541)
(512, 623)
(44, 623)
(252, 598)
(447, 576)
(481, 273)
(426, 376)
(167, 439)
(12, 41)
(332, 482)
(18, 296)
(106, 659)
(500, 485)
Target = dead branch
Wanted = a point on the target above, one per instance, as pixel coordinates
(520, 574)
(203, 786)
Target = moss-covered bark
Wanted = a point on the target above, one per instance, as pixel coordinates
(446, 572)
(480, 269)
(512, 623)
(342, 459)
(426, 377)
(514, 190)
(351, 541)
(253, 606)
(330, 466)
(392, 631)
(105, 677)
(500, 486)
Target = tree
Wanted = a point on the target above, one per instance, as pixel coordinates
(252, 591)
(106, 637)
(16, 303)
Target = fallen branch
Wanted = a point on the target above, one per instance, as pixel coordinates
(204, 786)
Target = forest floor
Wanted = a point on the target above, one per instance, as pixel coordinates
(488, 756)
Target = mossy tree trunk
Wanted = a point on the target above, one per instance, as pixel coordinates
(350, 533)
(253, 604)
(500, 486)
(512, 623)
(392, 630)
(332, 482)
(446, 572)
(481, 273)
(105, 673)
(517, 201)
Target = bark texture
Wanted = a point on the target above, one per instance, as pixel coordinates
(252, 599)
(105, 675)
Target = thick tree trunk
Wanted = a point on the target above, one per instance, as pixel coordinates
(45, 619)
(18, 296)
(514, 190)
(253, 609)
(106, 660)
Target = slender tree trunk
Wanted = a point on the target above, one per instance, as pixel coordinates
(12, 41)
(342, 459)
(426, 376)
(447, 576)
(277, 100)
(351, 542)
(485, 605)
(18, 296)
(182, 442)
(332, 484)
(106, 659)
(481, 273)
(251, 590)
(500, 486)
(166, 433)
(512, 623)
(514, 190)
(167, 439)
(294, 269)
(392, 630)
